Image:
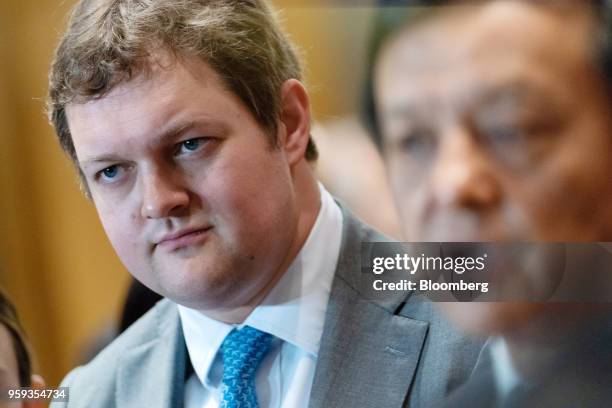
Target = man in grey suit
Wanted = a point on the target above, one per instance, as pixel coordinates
(190, 128)
(495, 119)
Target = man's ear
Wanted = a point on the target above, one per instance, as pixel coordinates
(294, 131)
(38, 383)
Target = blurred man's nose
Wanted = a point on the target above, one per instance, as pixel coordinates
(463, 176)
(162, 196)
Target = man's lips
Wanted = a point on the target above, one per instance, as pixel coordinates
(183, 238)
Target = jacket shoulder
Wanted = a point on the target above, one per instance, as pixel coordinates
(94, 383)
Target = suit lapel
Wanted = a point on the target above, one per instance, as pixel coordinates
(159, 365)
(368, 355)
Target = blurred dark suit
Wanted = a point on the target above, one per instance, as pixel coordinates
(580, 375)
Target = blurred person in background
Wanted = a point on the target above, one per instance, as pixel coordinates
(351, 168)
(190, 128)
(15, 359)
(495, 121)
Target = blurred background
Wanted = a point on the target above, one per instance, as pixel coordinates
(55, 261)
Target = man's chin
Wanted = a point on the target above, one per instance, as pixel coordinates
(194, 299)
(197, 288)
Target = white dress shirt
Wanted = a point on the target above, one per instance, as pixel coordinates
(505, 374)
(293, 311)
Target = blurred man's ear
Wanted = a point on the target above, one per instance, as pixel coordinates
(38, 383)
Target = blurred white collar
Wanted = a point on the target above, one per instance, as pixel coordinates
(504, 372)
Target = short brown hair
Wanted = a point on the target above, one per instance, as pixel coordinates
(111, 41)
(10, 320)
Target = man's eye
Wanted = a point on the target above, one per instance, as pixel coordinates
(507, 134)
(190, 145)
(417, 141)
(110, 174)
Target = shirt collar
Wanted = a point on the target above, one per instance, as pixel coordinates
(294, 310)
(505, 374)
(203, 337)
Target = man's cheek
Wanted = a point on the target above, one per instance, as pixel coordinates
(128, 246)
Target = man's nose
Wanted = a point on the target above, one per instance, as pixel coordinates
(162, 196)
(463, 176)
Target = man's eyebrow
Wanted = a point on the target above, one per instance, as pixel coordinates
(175, 130)
(171, 133)
(98, 159)
(517, 90)
(408, 110)
(513, 91)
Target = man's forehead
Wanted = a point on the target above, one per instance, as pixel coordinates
(142, 98)
(125, 108)
(503, 96)
(491, 27)
(466, 51)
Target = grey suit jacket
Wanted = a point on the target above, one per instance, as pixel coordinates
(392, 353)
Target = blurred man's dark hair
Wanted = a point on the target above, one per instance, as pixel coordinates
(393, 15)
(10, 320)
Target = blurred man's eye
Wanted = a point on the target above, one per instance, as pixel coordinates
(505, 134)
(419, 141)
(518, 143)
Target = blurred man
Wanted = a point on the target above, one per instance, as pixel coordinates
(190, 128)
(495, 121)
(15, 361)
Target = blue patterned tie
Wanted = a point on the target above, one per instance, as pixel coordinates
(242, 352)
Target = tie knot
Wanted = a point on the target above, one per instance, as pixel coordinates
(242, 352)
